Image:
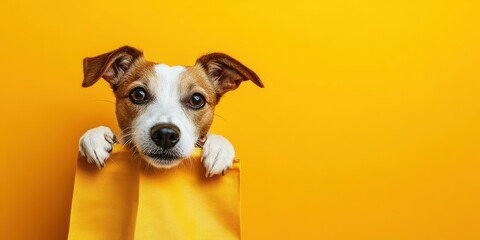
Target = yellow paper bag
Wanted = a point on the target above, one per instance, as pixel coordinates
(131, 200)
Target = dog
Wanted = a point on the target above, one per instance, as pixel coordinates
(163, 111)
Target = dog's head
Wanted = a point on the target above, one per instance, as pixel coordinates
(165, 111)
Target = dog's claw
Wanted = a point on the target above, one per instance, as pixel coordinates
(209, 174)
(109, 139)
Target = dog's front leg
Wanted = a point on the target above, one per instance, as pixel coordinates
(96, 145)
(217, 155)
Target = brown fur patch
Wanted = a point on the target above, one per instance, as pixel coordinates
(194, 80)
(140, 74)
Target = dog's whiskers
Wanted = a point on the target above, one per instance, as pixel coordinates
(135, 151)
(103, 100)
(127, 138)
(219, 116)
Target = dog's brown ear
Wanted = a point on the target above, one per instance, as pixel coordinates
(111, 66)
(226, 72)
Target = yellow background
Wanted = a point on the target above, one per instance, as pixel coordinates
(367, 127)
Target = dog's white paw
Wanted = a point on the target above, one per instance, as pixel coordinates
(217, 155)
(96, 145)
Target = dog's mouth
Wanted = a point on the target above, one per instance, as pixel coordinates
(163, 159)
(165, 156)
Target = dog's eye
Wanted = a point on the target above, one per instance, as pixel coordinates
(138, 95)
(197, 101)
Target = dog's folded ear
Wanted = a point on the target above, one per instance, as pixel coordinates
(226, 72)
(111, 66)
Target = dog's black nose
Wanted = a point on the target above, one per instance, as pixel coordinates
(165, 135)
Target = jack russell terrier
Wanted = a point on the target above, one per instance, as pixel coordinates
(164, 112)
